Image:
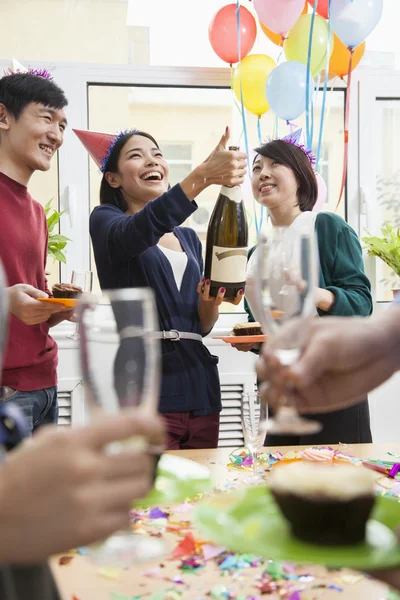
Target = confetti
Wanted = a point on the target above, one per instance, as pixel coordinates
(109, 573)
(210, 551)
(155, 572)
(156, 513)
(186, 547)
(64, 560)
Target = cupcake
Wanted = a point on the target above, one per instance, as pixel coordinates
(66, 290)
(325, 504)
(247, 329)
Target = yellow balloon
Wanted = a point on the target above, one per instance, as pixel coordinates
(253, 72)
(296, 44)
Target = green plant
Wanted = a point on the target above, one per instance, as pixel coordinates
(387, 247)
(57, 242)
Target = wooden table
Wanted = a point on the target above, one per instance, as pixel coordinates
(85, 581)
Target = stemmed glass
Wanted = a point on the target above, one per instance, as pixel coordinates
(84, 280)
(120, 362)
(254, 415)
(287, 265)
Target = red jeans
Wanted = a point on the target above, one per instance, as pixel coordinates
(186, 432)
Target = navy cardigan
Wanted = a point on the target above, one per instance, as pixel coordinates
(126, 255)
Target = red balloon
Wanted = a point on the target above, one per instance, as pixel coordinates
(322, 8)
(223, 33)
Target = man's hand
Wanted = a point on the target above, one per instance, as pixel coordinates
(24, 305)
(61, 489)
(342, 360)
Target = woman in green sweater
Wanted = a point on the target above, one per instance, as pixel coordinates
(283, 180)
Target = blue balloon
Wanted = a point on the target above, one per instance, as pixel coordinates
(286, 89)
(353, 20)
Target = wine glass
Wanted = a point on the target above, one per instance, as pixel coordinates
(120, 362)
(84, 280)
(254, 415)
(287, 264)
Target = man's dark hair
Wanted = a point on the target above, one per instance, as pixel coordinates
(20, 89)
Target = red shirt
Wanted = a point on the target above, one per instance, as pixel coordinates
(30, 361)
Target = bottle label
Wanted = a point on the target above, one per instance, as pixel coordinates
(233, 193)
(228, 265)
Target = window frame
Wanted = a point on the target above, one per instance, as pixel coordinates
(73, 170)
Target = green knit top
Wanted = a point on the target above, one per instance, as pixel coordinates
(341, 268)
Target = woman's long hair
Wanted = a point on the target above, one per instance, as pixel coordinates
(293, 157)
(108, 194)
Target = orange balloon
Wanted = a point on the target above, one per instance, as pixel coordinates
(340, 57)
(277, 38)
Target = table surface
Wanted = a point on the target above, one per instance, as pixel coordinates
(82, 579)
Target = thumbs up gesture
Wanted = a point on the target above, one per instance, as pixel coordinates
(225, 167)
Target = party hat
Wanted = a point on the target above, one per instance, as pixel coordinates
(16, 67)
(297, 139)
(96, 143)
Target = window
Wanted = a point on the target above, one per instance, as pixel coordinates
(179, 157)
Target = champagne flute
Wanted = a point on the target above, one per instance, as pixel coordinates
(120, 362)
(287, 264)
(254, 415)
(84, 280)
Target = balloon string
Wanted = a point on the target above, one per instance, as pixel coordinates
(313, 103)
(322, 121)
(260, 142)
(308, 129)
(346, 128)
(246, 139)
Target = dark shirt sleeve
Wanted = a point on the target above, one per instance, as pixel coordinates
(343, 269)
(129, 236)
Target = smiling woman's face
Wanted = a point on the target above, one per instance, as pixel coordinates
(142, 170)
(272, 183)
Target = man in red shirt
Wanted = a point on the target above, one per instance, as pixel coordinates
(32, 124)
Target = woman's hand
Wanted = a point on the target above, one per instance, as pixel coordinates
(225, 167)
(203, 289)
(222, 167)
(245, 347)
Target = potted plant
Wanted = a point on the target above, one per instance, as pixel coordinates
(57, 242)
(386, 247)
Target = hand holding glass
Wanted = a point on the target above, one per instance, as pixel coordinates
(120, 361)
(287, 265)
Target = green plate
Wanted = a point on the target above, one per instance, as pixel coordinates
(178, 479)
(249, 521)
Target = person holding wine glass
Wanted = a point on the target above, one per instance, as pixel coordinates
(284, 181)
(138, 242)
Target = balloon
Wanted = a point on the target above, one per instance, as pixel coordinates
(223, 33)
(286, 90)
(278, 15)
(340, 58)
(253, 72)
(353, 20)
(278, 38)
(296, 44)
(322, 8)
(322, 193)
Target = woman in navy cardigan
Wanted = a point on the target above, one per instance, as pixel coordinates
(138, 242)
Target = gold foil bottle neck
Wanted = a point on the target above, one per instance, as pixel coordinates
(233, 148)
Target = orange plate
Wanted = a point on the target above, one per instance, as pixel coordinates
(241, 339)
(66, 302)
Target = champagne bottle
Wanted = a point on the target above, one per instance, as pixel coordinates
(227, 239)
